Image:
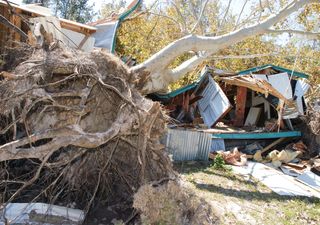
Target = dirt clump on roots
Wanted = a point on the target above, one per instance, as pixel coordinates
(172, 203)
(311, 132)
(75, 130)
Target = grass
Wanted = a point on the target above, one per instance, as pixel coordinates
(243, 200)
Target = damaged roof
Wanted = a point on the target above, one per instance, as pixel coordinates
(37, 10)
(277, 68)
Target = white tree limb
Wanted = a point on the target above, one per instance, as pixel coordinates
(311, 35)
(157, 65)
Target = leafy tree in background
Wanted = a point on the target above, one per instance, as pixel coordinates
(111, 7)
(77, 10)
(44, 3)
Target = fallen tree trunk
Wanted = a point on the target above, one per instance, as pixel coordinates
(75, 129)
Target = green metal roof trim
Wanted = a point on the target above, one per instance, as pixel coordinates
(181, 90)
(263, 135)
(177, 92)
(122, 17)
(281, 69)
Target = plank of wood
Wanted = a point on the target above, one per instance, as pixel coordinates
(253, 116)
(17, 22)
(83, 41)
(10, 25)
(240, 106)
(272, 145)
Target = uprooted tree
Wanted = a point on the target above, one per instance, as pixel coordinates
(75, 127)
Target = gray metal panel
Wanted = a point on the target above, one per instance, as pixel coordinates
(213, 104)
(217, 145)
(104, 36)
(187, 145)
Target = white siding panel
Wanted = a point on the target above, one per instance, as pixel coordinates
(213, 104)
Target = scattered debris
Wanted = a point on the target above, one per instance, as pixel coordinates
(233, 157)
(40, 213)
(284, 156)
(310, 179)
(277, 181)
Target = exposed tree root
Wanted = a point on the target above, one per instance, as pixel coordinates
(75, 129)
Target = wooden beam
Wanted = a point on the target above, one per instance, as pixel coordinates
(267, 148)
(83, 41)
(11, 26)
(241, 100)
(17, 22)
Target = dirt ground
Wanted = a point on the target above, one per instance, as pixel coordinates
(242, 200)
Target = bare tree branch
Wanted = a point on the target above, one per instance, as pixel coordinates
(200, 16)
(311, 35)
(225, 16)
(242, 9)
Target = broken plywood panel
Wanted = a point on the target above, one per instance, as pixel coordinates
(214, 103)
(257, 85)
(280, 82)
(278, 182)
(301, 89)
(253, 116)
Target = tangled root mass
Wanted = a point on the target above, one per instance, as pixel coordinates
(74, 128)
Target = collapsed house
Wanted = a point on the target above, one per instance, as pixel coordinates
(251, 115)
(234, 110)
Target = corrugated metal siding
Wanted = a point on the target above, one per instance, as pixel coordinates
(187, 145)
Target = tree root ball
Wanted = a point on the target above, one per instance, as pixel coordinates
(75, 129)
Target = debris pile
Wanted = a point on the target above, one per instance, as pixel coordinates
(255, 115)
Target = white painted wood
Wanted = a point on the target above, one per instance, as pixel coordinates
(253, 116)
(257, 100)
(73, 39)
(301, 89)
(213, 104)
(280, 82)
